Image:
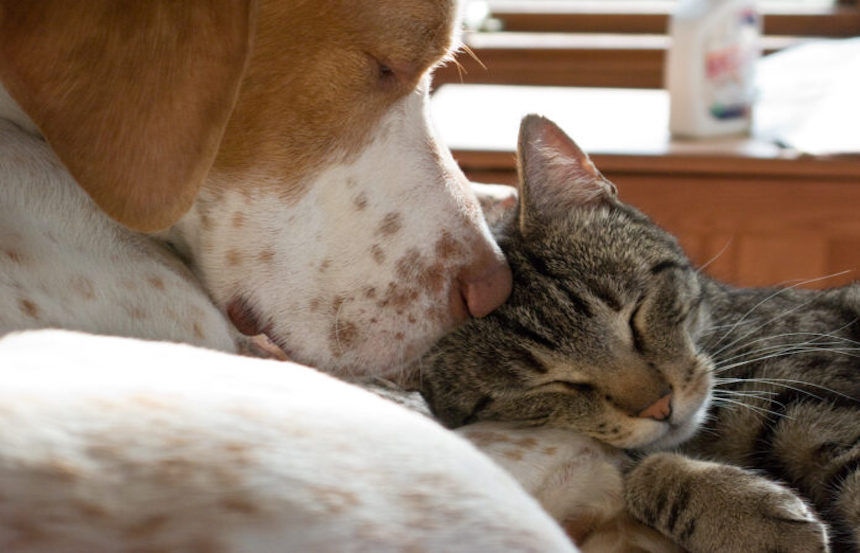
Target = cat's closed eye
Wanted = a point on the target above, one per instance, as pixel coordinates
(568, 386)
(635, 333)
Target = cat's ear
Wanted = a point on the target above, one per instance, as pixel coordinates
(555, 175)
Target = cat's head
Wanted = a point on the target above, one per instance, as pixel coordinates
(599, 335)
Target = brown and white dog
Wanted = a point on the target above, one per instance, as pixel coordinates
(282, 148)
(173, 171)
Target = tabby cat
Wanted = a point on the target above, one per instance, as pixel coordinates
(612, 333)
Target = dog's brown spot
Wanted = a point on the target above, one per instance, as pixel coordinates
(514, 454)
(314, 305)
(447, 247)
(198, 332)
(527, 442)
(29, 308)
(351, 182)
(239, 505)
(334, 500)
(137, 313)
(412, 319)
(175, 469)
(147, 527)
(91, 510)
(234, 258)
(377, 254)
(14, 256)
(439, 315)
(62, 470)
(205, 222)
(397, 297)
(550, 450)
(485, 438)
(27, 531)
(344, 334)
(399, 336)
(236, 448)
(370, 292)
(238, 220)
(360, 202)
(412, 268)
(432, 278)
(83, 286)
(156, 282)
(390, 224)
(408, 266)
(266, 256)
(145, 401)
(326, 263)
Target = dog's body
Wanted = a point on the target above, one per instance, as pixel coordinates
(180, 172)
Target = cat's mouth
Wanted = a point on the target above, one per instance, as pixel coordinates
(685, 421)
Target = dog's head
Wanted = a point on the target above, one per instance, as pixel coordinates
(283, 146)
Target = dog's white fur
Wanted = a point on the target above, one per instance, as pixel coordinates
(336, 284)
(111, 445)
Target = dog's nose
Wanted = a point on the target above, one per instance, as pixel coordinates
(486, 286)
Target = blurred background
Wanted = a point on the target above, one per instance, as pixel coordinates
(777, 205)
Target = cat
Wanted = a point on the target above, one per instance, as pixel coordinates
(735, 401)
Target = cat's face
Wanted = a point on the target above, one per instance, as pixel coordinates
(599, 335)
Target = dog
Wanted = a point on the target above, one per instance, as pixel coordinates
(177, 176)
(280, 151)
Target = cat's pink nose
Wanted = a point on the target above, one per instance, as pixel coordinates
(660, 410)
(483, 286)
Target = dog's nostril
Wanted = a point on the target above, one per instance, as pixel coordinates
(488, 290)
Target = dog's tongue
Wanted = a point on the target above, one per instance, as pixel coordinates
(243, 317)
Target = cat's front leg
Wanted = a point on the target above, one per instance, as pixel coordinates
(715, 508)
(576, 479)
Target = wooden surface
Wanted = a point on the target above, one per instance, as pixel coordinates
(760, 214)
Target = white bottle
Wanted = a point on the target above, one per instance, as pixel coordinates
(711, 66)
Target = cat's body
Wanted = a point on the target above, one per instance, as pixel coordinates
(612, 333)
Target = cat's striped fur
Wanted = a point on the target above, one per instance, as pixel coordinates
(611, 332)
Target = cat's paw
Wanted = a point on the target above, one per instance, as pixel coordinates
(710, 507)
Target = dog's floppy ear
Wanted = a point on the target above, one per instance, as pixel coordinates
(133, 95)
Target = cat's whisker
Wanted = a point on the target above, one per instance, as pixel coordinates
(756, 328)
(776, 293)
(754, 408)
(794, 351)
(817, 335)
(782, 382)
(758, 394)
(715, 328)
(781, 346)
(702, 267)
